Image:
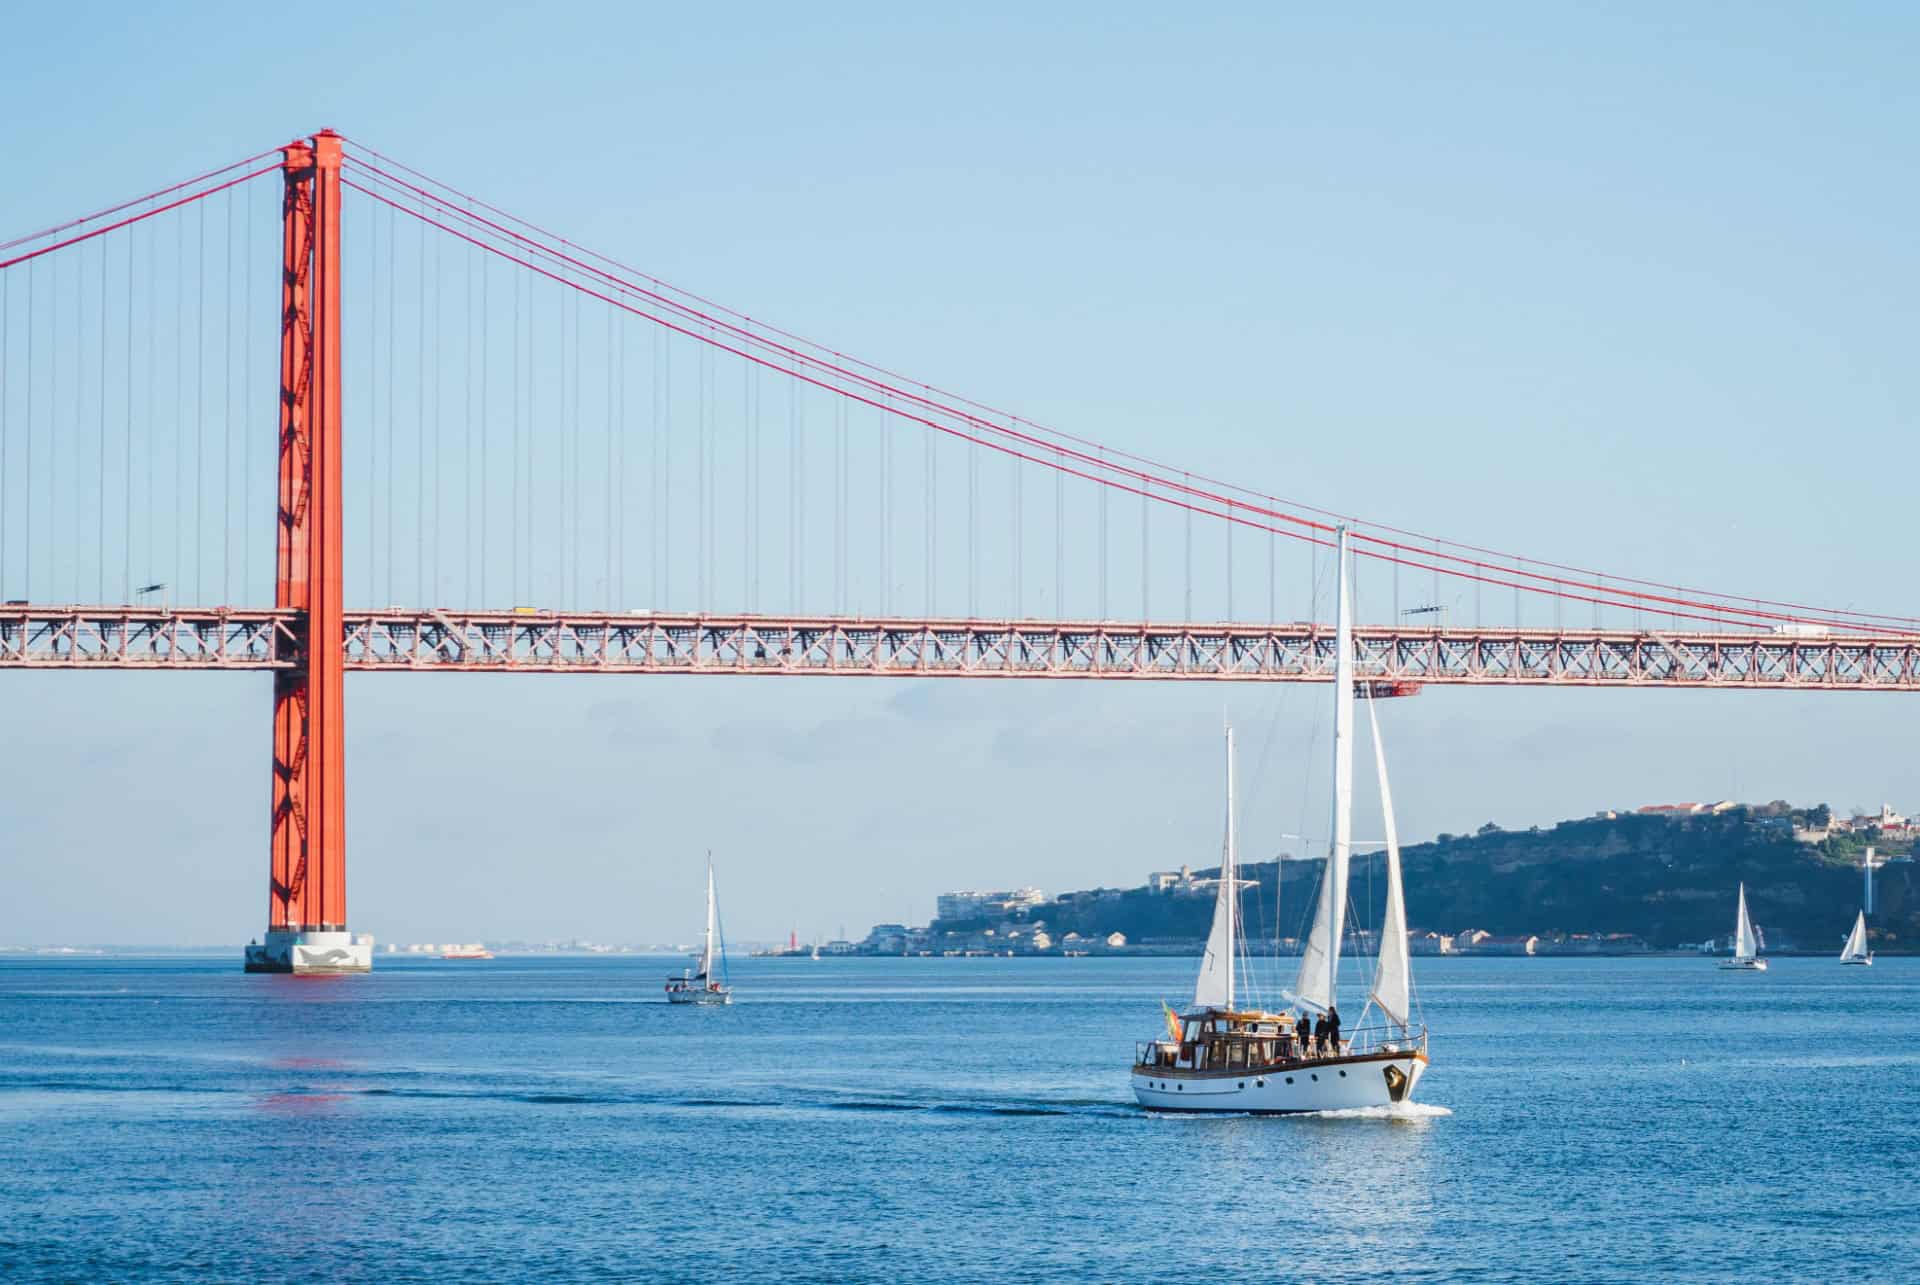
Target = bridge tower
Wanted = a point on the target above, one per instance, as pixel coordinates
(307, 884)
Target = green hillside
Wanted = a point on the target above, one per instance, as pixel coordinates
(1668, 881)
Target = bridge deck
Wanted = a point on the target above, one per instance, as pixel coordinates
(113, 637)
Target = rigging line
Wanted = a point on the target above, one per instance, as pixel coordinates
(1725, 614)
(1085, 442)
(127, 222)
(97, 215)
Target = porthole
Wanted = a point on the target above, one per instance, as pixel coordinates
(1316, 1077)
(1343, 1075)
(1289, 1079)
(1180, 1088)
(1259, 1084)
(1243, 1084)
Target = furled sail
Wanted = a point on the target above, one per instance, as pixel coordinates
(1743, 940)
(1215, 986)
(1392, 980)
(1320, 961)
(1856, 947)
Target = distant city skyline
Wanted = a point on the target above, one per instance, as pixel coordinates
(1630, 289)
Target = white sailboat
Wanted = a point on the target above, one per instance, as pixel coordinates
(1855, 951)
(1218, 1057)
(1746, 954)
(703, 987)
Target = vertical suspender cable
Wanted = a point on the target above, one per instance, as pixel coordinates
(1060, 533)
(373, 396)
(1228, 524)
(248, 315)
(199, 402)
(466, 491)
(1186, 484)
(886, 510)
(663, 366)
(607, 483)
(1104, 488)
(1019, 538)
(930, 516)
(439, 422)
(393, 291)
(153, 380)
(486, 377)
(26, 576)
(1146, 604)
(514, 526)
(100, 475)
(973, 533)
(226, 484)
(53, 428)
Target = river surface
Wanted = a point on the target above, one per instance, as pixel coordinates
(932, 1119)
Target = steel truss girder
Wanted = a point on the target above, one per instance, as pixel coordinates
(585, 642)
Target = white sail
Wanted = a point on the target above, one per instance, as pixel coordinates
(706, 950)
(1320, 961)
(1743, 941)
(1214, 989)
(1856, 947)
(1392, 980)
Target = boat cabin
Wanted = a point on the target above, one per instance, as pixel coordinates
(1220, 1040)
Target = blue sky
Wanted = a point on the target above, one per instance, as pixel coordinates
(1633, 289)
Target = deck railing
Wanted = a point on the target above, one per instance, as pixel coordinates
(1387, 1038)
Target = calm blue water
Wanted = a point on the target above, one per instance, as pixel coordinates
(937, 1119)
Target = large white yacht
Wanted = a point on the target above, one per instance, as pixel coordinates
(1218, 1056)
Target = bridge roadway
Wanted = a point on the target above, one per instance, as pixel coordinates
(118, 637)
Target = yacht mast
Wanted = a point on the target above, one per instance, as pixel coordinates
(1227, 873)
(1320, 961)
(706, 950)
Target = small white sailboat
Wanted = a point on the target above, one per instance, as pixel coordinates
(1746, 954)
(703, 987)
(1218, 1057)
(1855, 951)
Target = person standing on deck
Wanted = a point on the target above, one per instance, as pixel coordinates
(1333, 1030)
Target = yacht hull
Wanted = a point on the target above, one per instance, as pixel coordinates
(1744, 965)
(1864, 963)
(711, 998)
(1330, 1084)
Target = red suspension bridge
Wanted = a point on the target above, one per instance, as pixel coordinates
(567, 465)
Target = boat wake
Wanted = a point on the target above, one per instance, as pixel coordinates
(1396, 1111)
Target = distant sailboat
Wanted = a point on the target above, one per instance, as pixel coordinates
(702, 987)
(1220, 1057)
(1746, 955)
(1855, 951)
